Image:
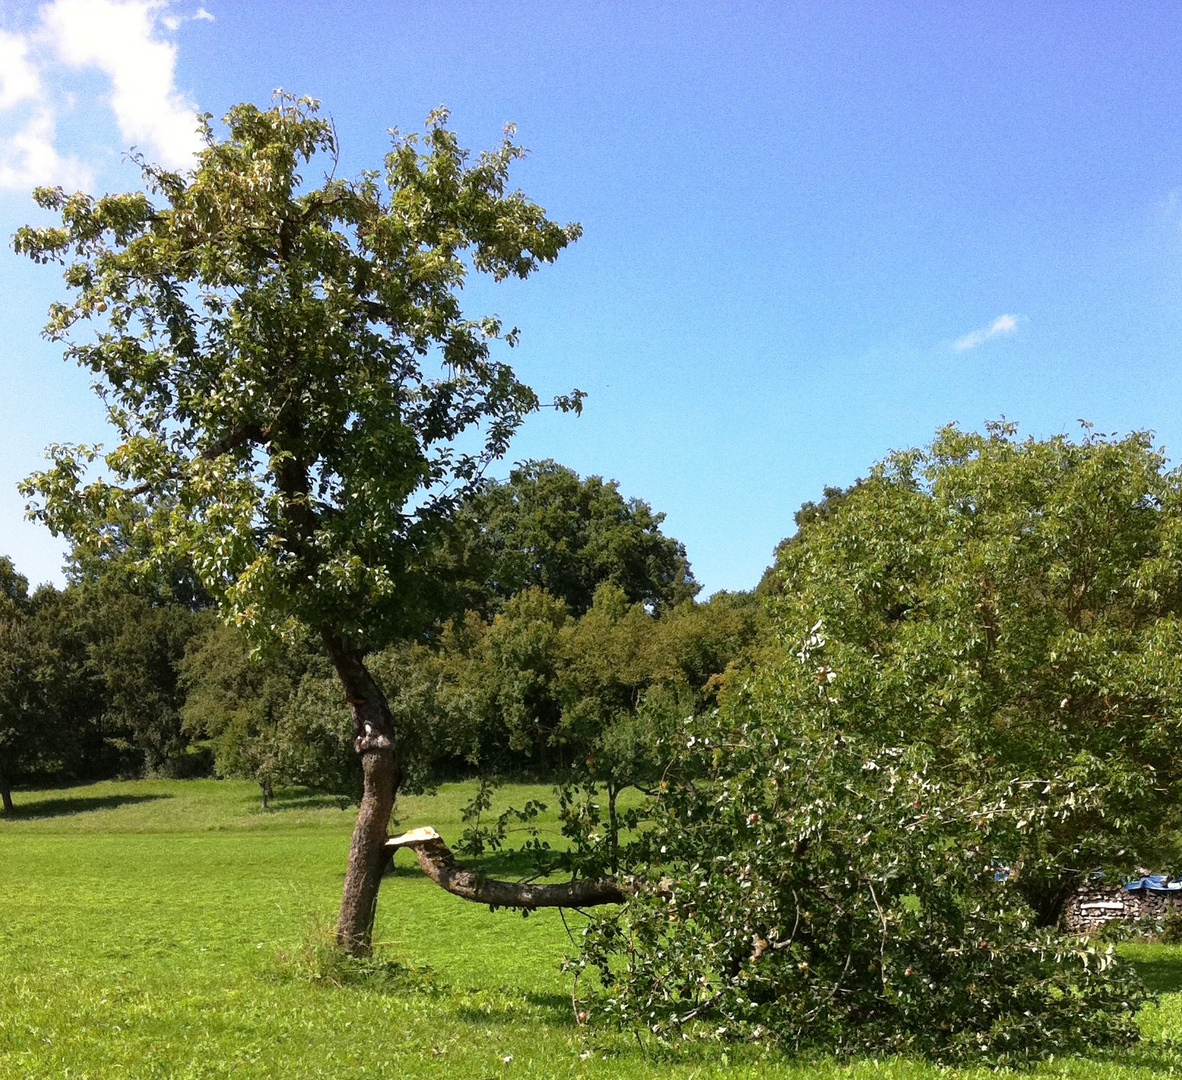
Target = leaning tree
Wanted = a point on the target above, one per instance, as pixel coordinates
(298, 394)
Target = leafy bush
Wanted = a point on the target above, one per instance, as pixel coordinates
(805, 888)
(1171, 928)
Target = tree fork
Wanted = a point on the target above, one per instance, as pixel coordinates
(439, 864)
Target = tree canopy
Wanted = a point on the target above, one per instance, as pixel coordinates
(547, 528)
(1015, 606)
(289, 370)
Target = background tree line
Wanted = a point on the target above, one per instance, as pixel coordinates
(567, 619)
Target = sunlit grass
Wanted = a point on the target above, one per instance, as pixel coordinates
(155, 929)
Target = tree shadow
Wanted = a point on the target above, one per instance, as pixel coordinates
(68, 806)
(556, 1009)
(510, 1006)
(1161, 974)
(304, 799)
(1149, 1058)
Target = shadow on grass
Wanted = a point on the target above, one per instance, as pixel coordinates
(1151, 1058)
(1161, 974)
(555, 1008)
(510, 1006)
(63, 807)
(303, 799)
(504, 865)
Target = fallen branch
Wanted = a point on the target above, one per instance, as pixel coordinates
(439, 864)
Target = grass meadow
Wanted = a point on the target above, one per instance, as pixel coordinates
(161, 929)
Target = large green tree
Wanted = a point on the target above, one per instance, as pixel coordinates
(1016, 607)
(971, 698)
(297, 390)
(548, 528)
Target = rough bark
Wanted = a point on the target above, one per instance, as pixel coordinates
(439, 864)
(373, 739)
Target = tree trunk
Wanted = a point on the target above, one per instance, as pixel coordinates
(373, 739)
(5, 792)
(265, 785)
(613, 824)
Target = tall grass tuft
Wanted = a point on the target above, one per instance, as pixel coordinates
(319, 961)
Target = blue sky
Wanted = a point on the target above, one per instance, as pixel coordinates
(814, 232)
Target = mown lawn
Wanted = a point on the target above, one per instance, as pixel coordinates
(154, 929)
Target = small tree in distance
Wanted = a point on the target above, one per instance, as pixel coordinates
(297, 391)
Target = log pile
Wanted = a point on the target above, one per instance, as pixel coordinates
(1095, 903)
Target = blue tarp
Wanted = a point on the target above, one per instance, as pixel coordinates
(1155, 883)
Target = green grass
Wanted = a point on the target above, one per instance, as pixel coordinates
(153, 929)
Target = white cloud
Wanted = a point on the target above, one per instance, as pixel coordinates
(173, 22)
(29, 158)
(123, 40)
(19, 80)
(118, 38)
(1003, 324)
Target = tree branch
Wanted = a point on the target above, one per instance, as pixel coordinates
(439, 864)
(249, 432)
(244, 433)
